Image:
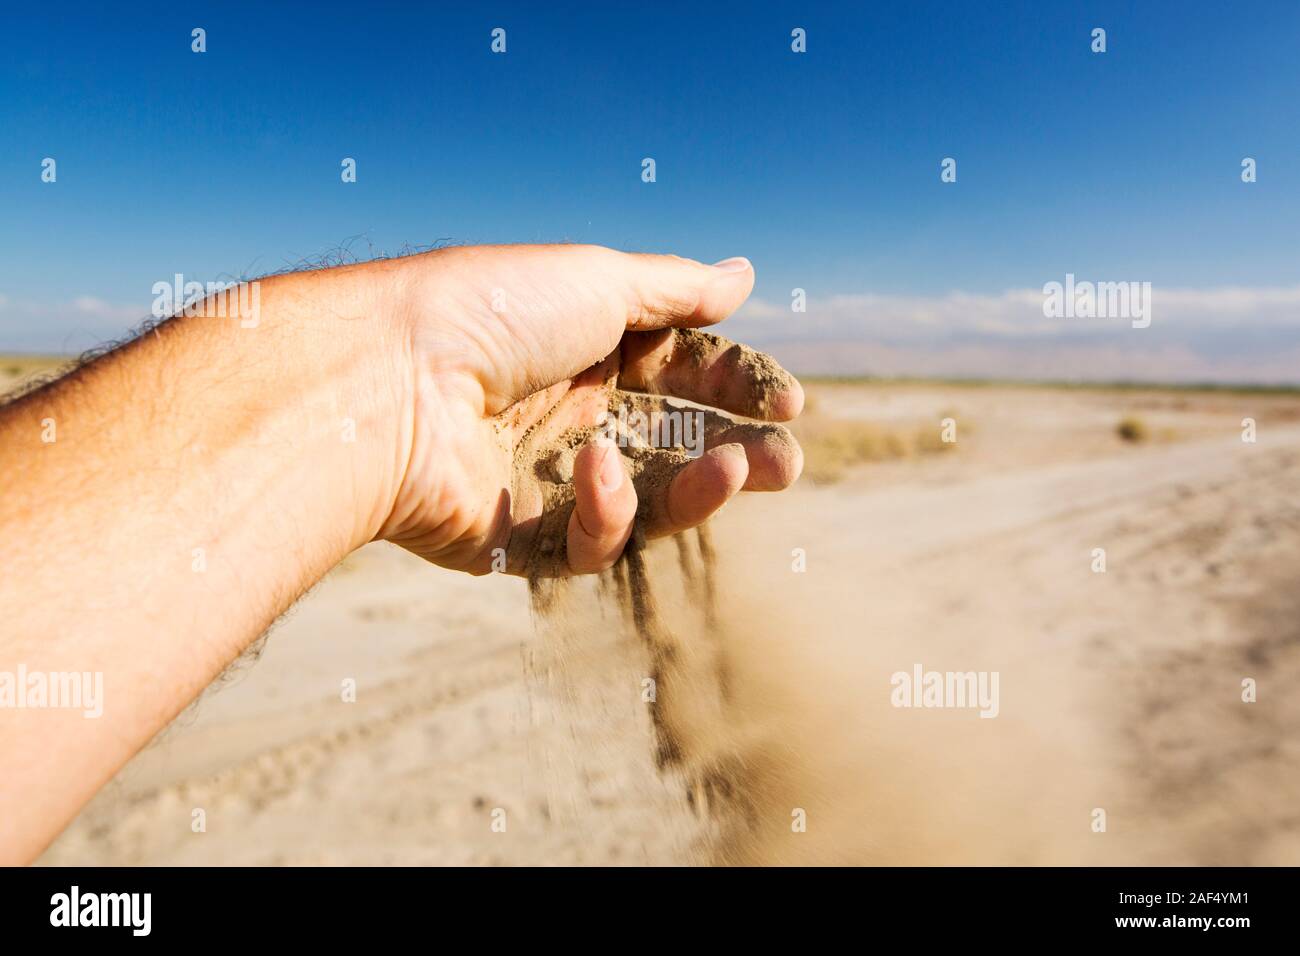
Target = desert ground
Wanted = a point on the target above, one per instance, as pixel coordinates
(482, 733)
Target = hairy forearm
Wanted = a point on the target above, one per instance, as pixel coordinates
(164, 504)
(192, 486)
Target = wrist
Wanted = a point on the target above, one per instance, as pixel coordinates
(343, 354)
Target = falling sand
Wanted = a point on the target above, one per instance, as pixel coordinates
(685, 686)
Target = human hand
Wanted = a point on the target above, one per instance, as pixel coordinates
(517, 356)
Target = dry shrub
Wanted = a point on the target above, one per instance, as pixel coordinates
(1132, 429)
(832, 447)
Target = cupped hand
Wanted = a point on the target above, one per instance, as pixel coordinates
(528, 364)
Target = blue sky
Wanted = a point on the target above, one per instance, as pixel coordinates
(822, 167)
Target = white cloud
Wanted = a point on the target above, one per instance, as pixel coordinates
(1015, 313)
(64, 327)
(1234, 334)
(89, 305)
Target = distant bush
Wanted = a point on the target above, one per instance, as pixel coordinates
(1132, 429)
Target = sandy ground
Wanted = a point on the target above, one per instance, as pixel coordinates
(1119, 691)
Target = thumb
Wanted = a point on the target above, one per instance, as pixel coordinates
(537, 315)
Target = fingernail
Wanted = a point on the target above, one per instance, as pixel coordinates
(611, 469)
(734, 264)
